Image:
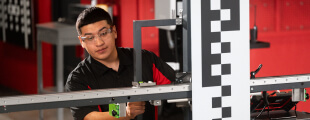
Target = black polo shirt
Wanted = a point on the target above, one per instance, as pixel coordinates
(91, 74)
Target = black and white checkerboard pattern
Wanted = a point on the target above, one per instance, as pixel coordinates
(15, 22)
(217, 16)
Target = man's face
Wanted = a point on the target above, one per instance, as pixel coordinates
(99, 40)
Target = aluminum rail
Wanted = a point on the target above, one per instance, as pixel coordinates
(280, 83)
(94, 97)
(120, 95)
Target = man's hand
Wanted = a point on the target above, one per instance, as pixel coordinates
(135, 108)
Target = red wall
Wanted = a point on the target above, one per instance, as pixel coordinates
(285, 24)
(137, 10)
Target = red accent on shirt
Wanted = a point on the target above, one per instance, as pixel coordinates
(158, 77)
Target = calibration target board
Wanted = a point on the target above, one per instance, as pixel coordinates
(220, 59)
(15, 22)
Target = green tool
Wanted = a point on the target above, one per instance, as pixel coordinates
(114, 110)
(117, 110)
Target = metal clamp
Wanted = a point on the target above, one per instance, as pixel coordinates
(178, 21)
(180, 13)
(143, 84)
(298, 94)
(155, 102)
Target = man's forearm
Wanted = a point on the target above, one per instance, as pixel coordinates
(102, 116)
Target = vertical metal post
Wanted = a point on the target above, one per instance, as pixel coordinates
(39, 72)
(187, 48)
(137, 25)
(137, 55)
(26, 32)
(59, 75)
(137, 52)
(186, 36)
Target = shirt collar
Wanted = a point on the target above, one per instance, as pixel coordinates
(100, 68)
(96, 66)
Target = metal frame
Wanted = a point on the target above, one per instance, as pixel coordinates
(187, 63)
(137, 25)
(94, 97)
(137, 43)
(279, 83)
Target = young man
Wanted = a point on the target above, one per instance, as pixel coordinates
(110, 67)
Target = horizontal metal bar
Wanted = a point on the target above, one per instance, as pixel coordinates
(279, 86)
(178, 100)
(93, 97)
(280, 80)
(150, 23)
(280, 83)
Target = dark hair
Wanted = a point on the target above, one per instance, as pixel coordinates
(92, 15)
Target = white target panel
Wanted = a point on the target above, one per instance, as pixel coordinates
(220, 59)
